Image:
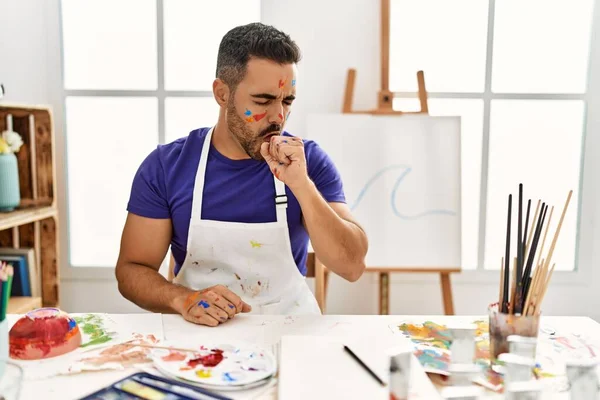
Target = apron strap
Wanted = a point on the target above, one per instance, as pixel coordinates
(280, 200)
(199, 183)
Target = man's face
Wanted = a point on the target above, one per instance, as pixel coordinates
(261, 104)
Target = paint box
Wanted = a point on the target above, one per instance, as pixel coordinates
(504, 325)
(583, 379)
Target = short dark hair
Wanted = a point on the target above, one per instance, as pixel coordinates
(253, 40)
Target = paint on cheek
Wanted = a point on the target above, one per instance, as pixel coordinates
(288, 115)
(280, 116)
(258, 117)
(293, 82)
(247, 113)
(249, 119)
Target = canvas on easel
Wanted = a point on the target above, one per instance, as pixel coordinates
(401, 172)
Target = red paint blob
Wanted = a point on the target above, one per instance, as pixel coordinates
(280, 115)
(209, 360)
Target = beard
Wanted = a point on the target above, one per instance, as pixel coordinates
(248, 140)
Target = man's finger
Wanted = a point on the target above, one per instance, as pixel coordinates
(265, 152)
(220, 302)
(217, 313)
(206, 319)
(231, 297)
(200, 317)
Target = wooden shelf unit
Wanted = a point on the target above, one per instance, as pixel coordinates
(34, 224)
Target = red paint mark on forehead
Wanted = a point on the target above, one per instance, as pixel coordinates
(281, 83)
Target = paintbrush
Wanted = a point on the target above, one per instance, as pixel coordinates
(365, 367)
(156, 346)
(504, 305)
(532, 252)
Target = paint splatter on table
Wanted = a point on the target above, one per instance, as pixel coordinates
(432, 348)
(95, 329)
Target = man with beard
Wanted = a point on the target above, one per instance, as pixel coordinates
(239, 201)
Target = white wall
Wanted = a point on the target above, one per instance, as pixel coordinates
(329, 49)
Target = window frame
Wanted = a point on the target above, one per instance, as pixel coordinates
(480, 274)
(69, 271)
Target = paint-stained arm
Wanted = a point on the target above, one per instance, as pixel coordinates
(339, 242)
(337, 239)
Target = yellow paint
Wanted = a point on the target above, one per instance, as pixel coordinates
(255, 244)
(203, 373)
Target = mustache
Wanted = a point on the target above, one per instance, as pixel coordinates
(270, 129)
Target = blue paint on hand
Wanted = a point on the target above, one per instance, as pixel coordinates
(230, 305)
(285, 141)
(204, 304)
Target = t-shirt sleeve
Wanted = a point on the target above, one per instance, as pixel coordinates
(324, 173)
(148, 196)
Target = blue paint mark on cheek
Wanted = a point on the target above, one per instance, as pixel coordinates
(204, 304)
(248, 112)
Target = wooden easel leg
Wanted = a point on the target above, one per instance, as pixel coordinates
(325, 284)
(320, 288)
(447, 293)
(384, 293)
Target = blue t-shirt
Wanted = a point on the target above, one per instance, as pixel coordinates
(234, 190)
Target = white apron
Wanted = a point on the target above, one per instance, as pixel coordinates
(253, 260)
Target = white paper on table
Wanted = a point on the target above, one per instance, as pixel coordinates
(318, 367)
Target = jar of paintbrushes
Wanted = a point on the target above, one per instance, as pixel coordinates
(525, 280)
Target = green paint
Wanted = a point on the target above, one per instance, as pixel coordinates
(92, 326)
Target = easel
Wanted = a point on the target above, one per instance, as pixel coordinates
(385, 107)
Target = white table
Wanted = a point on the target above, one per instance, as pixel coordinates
(264, 330)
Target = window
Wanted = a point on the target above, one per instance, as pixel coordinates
(136, 73)
(519, 84)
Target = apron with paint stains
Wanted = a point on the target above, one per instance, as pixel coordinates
(253, 260)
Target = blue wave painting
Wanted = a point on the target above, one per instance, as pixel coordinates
(406, 170)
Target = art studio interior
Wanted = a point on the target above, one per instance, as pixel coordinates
(200, 198)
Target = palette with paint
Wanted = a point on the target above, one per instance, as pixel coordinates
(217, 366)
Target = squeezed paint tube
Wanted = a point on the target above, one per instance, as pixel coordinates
(463, 374)
(583, 379)
(522, 345)
(462, 393)
(526, 390)
(518, 368)
(400, 360)
(462, 349)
